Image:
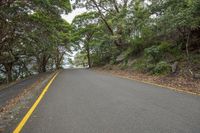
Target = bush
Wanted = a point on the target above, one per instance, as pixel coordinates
(161, 68)
(155, 53)
(164, 46)
(139, 64)
(136, 46)
(112, 60)
(150, 67)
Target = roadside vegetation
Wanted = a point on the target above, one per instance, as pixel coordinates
(158, 37)
(33, 37)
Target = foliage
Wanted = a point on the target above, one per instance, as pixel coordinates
(32, 32)
(156, 32)
(161, 67)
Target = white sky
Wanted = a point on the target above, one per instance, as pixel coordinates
(69, 17)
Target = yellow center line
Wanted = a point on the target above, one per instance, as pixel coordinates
(29, 113)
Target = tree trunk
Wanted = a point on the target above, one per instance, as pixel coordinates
(88, 55)
(42, 64)
(187, 45)
(116, 42)
(43, 67)
(59, 58)
(58, 65)
(8, 68)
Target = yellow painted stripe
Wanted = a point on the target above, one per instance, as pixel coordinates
(163, 86)
(28, 114)
(146, 82)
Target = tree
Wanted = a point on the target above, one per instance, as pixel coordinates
(167, 27)
(108, 10)
(85, 27)
(30, 31)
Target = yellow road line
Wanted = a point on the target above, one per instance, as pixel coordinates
(163, 86)
(146, 82)
(28, 114)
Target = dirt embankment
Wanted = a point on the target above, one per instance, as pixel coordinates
(174, 82)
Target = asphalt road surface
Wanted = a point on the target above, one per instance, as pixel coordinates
(15, 89)
(83, 101)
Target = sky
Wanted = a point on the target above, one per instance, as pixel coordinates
(69, 17)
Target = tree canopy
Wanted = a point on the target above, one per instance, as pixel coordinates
(146, 35)
(33, 36)
(154, 33)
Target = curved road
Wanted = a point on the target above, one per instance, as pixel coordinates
(83, 101)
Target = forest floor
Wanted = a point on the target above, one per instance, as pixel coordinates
(173, 82)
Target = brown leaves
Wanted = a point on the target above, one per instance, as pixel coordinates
(177, 82)
(16, 105)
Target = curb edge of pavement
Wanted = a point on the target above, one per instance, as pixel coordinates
(150, 83)
(28, 114)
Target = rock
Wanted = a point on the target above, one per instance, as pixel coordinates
(121, 57)
(131, 62)
(174, 67)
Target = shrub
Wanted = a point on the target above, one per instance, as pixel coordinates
(112, 60)
(150, 67)
(152, 54)
(139, 64)
(155, 53)
(161, 68)
(164, 47)
(136, 46)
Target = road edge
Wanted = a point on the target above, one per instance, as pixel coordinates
(150, 83)
(35, 104)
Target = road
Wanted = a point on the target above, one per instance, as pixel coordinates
(83, 101)
(15, 89)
